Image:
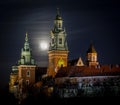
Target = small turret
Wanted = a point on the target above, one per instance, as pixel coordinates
(91, 56)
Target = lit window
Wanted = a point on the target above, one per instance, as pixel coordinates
(94, 58)
(79, 63)
(28, 73)
(61, 62)
(60, 40)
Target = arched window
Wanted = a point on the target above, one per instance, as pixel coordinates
(27, 82)
(61, 62)
(28, 73)
(94, 58)
(60, 40)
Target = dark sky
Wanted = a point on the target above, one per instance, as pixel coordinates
(85, 21)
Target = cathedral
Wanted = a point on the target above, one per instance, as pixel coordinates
(69, 78)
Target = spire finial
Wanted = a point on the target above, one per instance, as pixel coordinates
(58, 13)
(26, 38)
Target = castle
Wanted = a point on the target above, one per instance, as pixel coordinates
(70, 78)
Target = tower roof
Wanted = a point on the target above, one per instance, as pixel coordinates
(91, 49)
(58, 35)
(58, 17)
(26, 54)
(26, 38)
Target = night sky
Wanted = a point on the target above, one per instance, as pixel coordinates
(84, 20)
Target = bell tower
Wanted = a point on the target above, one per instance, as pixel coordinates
(58, 49)
(26, 67)
(23, 73)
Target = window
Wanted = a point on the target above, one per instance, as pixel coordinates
(61, 62)
(88, 58)
(27, 82)
(59, 25)
(79, 63)
(60, 40)
(52, 41)
(94, 58)
(28, 73)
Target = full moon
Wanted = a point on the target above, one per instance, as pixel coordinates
(44, 45)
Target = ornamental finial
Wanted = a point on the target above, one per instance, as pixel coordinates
(26, 38)
(58, 13)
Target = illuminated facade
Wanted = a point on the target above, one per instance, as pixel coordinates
(58, 49)
(13, 79)
(91, 56)
(26, 64)
(71, 78)
(23, 73)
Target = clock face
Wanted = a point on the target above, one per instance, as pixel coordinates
(61, 62)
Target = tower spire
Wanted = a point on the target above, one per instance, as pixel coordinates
(58, 17)
(26, 38)
(58, 50)
(58, 12)
(26, 53)
(58, 35)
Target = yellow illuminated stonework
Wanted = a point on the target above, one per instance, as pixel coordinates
(92, 56)
(56, 60)
(61, 62)
(13, 80)
(58, 49)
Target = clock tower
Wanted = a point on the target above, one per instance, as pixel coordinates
(58, 49)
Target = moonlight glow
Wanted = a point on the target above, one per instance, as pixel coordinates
(43, 45)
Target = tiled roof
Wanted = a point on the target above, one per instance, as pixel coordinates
(80, 71)
(73, 62)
